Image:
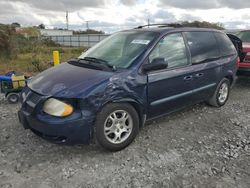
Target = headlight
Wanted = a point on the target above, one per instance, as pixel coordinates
(248, 53)
(57, 108)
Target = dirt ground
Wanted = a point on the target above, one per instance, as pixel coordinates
(200, 146)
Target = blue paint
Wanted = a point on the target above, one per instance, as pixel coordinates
(88, 90)
(182, 94)
(5, 78)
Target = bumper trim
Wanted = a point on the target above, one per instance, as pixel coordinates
(244, 68)
(71, 132)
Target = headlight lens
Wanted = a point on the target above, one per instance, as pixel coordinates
(57, 108)
(248, 53)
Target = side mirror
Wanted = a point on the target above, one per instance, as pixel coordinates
(156, 64)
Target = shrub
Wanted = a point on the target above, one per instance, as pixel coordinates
(50, 43)
(7, 44)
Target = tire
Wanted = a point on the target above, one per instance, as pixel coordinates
(116, 126)
(13, 98)
(221, 95)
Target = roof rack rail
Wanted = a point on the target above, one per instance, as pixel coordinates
(160, 25)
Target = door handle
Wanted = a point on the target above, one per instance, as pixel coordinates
(199, 75)
(187, 78)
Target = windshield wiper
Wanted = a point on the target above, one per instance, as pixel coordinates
(100, 61)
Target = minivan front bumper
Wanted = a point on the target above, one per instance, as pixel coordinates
(75, 129)
(71, 132)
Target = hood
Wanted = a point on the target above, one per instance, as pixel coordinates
(67, 81)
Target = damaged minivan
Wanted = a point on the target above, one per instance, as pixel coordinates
(133, 76)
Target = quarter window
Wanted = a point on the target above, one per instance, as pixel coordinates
(172, 49)
(203, 46)
(225, 44)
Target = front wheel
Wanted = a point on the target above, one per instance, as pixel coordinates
(116, 126)
(221, 94)
(13, 98)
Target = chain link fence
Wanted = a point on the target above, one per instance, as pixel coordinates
(84, 40)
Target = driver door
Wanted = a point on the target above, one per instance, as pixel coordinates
(171, 88)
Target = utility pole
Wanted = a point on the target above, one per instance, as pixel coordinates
(67, 20)
(148, 22)
(87, 25)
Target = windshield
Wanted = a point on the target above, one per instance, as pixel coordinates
(244, 36)
(120, 49)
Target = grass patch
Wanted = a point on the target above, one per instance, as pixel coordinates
(26, 59)
(29, 54)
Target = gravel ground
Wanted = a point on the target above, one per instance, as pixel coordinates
(200, 146)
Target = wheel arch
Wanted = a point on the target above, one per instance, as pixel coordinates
(136, 105)
(7, 93)
(230, 78)
(230, 75)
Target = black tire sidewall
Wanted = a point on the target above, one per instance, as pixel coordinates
(101, 118)
(11, 95)
(218, 89)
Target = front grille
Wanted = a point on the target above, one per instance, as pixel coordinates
(247, 60)
(25, 90)
(30, 100)
(34, 97)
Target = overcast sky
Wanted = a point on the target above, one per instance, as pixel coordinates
(113, 15)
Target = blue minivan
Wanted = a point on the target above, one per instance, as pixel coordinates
(133, 76)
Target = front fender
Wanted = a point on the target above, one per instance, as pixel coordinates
(140, 108)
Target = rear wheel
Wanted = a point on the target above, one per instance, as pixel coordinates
(116, 126)
(221, 94)
(12, 98)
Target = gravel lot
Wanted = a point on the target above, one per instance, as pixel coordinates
(200, 146)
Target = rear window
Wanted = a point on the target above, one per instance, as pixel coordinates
(203, 46)
(225, 44)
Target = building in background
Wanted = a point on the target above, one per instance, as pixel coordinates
(55, 32)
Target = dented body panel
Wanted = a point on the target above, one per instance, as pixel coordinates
(94, 86)
(92, 89)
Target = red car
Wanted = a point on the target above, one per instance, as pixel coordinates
(244, 64)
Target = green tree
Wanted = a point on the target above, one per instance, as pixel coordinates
(203, 24)
(15, 24)
(41, 26)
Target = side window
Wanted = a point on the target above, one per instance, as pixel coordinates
(202, 45)
(172, 49)
(225, 44)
